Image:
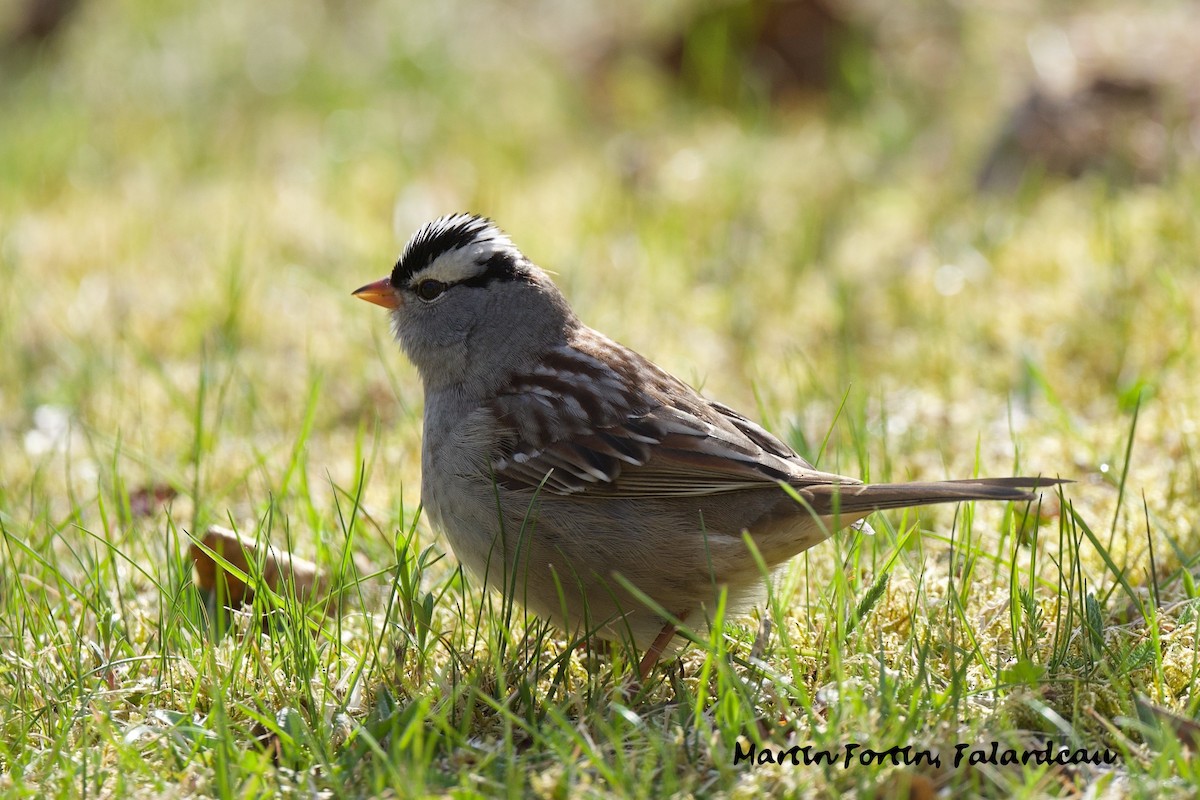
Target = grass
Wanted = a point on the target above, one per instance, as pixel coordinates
(187, 197)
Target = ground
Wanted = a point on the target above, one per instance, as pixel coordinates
(188, 195)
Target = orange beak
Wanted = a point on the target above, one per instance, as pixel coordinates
(380, 293)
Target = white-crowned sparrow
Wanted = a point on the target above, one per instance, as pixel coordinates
(555, 459)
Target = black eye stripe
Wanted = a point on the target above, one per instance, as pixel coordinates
(500, 267)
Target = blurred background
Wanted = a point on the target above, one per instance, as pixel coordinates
(955, 222)
(917, 240)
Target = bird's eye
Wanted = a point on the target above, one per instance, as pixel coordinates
(430, 289)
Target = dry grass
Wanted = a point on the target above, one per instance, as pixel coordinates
(187, 197)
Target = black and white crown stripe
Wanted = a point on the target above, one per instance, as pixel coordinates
(472, 250)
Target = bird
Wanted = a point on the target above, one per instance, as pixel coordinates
(580, 479)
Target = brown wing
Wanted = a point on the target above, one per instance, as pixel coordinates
(577, 425)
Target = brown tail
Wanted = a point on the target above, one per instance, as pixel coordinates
(859, 499)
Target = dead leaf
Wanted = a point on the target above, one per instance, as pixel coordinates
(1186, 730)
(146, 500)
(280, 569)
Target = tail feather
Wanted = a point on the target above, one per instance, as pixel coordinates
(860, 499)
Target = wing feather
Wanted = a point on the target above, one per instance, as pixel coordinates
(576, 425)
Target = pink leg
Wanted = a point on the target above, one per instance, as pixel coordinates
(655, 652)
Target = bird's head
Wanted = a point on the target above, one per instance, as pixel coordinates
(467, 306)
